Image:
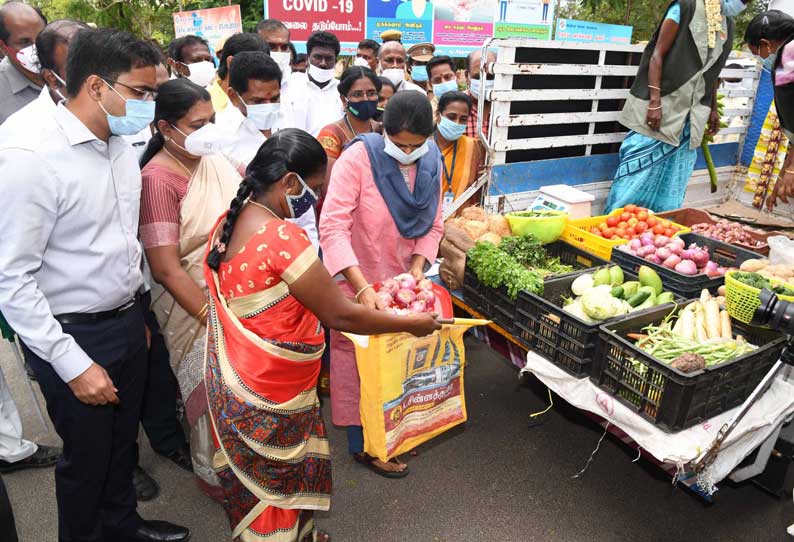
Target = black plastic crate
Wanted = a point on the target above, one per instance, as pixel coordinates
(496, 304)
(666, 397)
(544, 327)
(689, 286)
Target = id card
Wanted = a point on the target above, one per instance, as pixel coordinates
(449, 199)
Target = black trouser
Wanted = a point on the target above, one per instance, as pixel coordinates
(8, 529)
(93, 477)
(159, 414)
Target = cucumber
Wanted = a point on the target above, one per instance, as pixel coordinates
(647, 304)
(617, 292)
(639, 298)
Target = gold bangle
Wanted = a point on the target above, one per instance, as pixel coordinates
(361, 291)
(655, 88)
(654, 108)
(202, 312)
(789, 171)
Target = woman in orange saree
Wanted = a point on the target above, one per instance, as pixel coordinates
(268, 294)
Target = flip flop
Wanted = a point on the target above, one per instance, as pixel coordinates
(321, 536)
(368, 461)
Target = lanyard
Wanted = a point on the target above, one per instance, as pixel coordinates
(448, 173)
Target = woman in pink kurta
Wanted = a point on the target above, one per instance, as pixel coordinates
(381, 217)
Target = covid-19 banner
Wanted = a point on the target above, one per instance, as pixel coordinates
(456, 27)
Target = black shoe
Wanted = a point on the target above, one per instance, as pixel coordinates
(45, 456)
(161, 531)
(181, 458)
(146, 488)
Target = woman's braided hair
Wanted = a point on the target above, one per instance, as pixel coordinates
(289, 150)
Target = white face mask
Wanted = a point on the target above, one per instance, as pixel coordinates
(263, 116)
(201, 73)
(395, 75)
(360, 61)
(205, 141)
(401, 156)
(320, 75)
(29, 59)
(283, 60)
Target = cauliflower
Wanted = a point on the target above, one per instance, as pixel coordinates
(599, 304)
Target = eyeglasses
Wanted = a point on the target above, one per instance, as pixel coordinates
(359, 95)
(146, 95)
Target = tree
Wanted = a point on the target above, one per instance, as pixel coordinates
(644, 15)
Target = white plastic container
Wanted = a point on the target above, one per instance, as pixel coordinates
(561, 197)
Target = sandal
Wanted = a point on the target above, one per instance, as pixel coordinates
(367, 460)
(321, 536)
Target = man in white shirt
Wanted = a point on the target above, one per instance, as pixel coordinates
(254, 114)
(313, 99)
(20, 81)
(70, 274)
(392, 58)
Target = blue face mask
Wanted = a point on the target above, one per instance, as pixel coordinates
(450, 130)
(732, 8)
(300, 204)
(442, 88)
(364, 110)
(138, 114)
(419, 73)
(769, 62)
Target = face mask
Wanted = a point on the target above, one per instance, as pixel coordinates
(442, 88)
(283, 60)
(300, 204)
(419, 74)
(395, 75)
(138, 114)
(449, 130)
(63, 84)
(362, 62)
(401, 156)
(732, 8)
(263, 116)
(201, 73)
(363, 110)
(475, 87)
(205, 141)
(29, 59)
(378, 114)
(320, 75)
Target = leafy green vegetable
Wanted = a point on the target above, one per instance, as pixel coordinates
(783, 290)
(496, 268)
(536, 214)
(529, 252)
(752, 279)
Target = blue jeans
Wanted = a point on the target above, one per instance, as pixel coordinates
(355, 439)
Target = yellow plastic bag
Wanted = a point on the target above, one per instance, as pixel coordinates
(411, 387)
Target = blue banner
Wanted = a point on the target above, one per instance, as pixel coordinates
(586, 31)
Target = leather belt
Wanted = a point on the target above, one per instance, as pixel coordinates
(82, 318)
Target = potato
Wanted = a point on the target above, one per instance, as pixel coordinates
(754, 266)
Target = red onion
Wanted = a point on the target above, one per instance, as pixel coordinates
(663, 253)
(672, 261)
(653, 258)
(427, 296)
(385, 297)
(405, 297)
(425, 284)
(646, 239)
(661, 240)
(418, 306)
(406, 281)
(391, 286)
(686, 267)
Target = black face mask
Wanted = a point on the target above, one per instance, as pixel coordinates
(363, 110)
(378, 116)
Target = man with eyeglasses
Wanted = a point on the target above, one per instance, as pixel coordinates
(70, 273)
(312, 98)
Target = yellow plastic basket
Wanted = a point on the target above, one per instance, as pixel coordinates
(742, 300)
(577, 233)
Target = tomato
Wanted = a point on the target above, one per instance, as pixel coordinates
(630, 208)
(621, 232)
(633, 221)
(652, 221)
(608, 233)
(624, 216)
(642, 216)
(612, 221)
(658, 229)
(602, 226)
(623, 225)
(632, 231)
(641, 227)
(615, 238)
(669, 232)
(595, 231)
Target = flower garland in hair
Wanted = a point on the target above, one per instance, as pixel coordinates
(714, 21)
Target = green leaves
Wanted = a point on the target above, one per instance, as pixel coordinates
(495, 268)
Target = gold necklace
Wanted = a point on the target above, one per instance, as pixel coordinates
(266, 208)
(178, 161)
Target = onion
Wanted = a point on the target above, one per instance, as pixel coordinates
(635, 244)
(700, 257)
(425, 284)
(711, 269)
(653, 258)
(672, 261)
(391, 286)
(661, 240)
(663, 253)
(418, 306)
(427, 296)
(646, 250)
(385, 298)
(676, 248)
(406, 281)
(405, 297)
(646, 239)
(687, 254)
(686, 267)
(721, 271)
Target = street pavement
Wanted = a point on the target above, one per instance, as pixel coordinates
(495, 479)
